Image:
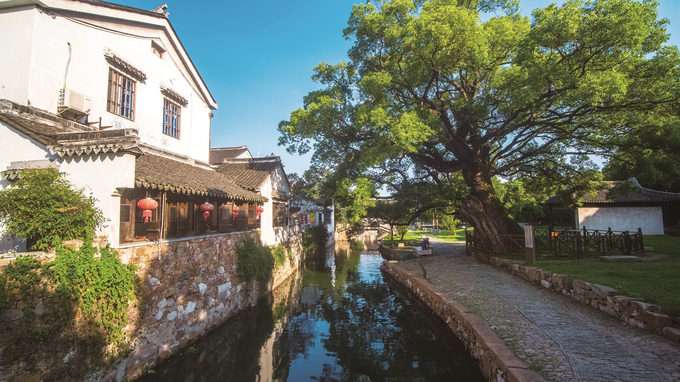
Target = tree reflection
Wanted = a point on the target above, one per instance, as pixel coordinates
(341, 326)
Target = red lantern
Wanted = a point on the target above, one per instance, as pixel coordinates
(206, 208)
(147, 205)
(235, 211)
(260, 210)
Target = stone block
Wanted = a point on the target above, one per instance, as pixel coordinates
(581, 286)
(602, 290)
(656, 321)
(672, 333)
(12, 314)
(169, 292)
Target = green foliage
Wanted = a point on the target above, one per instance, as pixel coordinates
(439, 87)
(44, 208)
(448, 220)
(280, 256)
(402, 230)
(314, 241)
(102, 288)
(650, 152)
(22, 276)
(354, 198)
(83, 304)
(255, 261)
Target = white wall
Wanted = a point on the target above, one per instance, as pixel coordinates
(16, 27)
(649, 219)
(100, 176)
(17, 147)
(278, 183)
(36, 72)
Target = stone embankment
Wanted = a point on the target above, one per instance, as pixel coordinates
(190, 286)
(497, 362)
(626, 309)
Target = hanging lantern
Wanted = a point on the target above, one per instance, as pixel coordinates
(235, 211)
(147, 205)
(260, 210)
(206, 208)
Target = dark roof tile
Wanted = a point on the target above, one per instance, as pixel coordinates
(158, 172)
(220, 155)
(635, 194)
(249, 173)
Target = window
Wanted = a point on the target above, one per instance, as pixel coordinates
(121, 98)
(171, 117)
(280, 214)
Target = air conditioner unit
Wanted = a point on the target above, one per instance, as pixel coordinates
(73, 101)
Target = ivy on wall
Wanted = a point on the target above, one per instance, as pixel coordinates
(255, 261)
(314, 240)
(73, 310)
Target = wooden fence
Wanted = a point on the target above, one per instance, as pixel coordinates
(577, 242)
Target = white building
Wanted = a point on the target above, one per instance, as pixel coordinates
(633, 208)
(107, 94)
(265, 176)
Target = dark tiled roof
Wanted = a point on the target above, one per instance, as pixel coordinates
(100, 3)
(41, 132)
(36, 124)
(156, 172)
(635, 194)
(249, 173)
(64, 137)
(219, 155)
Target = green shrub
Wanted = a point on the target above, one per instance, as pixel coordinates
(84, 302)
(255, 261)
(43, 208)
(280, 256)
(314, 240)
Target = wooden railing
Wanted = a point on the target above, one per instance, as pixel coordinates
(578, 242)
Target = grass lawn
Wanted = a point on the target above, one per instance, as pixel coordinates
(415, 237)
(656, 281)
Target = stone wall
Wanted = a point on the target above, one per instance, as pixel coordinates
(626, 309)
(189, 287)
(497, 362)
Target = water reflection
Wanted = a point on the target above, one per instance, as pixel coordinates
(334, 321)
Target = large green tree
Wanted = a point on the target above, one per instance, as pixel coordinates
(472, 87)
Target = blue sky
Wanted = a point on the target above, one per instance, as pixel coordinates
(257, 59)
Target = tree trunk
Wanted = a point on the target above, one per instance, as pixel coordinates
(484, 211)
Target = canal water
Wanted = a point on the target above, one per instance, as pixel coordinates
(335, 320)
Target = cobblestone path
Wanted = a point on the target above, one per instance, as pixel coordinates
(560, 338)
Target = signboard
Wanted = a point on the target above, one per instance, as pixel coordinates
(528, 235)
(312, 218)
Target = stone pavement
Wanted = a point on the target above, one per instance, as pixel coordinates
(554, 335)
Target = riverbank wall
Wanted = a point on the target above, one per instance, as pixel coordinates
(496, 361)
(189, 287)
(626, 309)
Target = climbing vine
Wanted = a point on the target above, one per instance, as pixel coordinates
(68, 309)
(255, 261)
(280, 256)
(314, 240)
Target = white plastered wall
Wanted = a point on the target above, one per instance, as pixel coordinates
(38, 64)
(100, 176)
(649, 219)
(16, 27)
